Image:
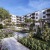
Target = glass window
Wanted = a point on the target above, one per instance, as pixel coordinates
(36, 17)
(36, 14)
(43, 12)
(43, 16)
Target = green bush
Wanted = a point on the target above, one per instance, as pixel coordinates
(43, 34)
(5, 35)
(1, 26)
(46, 33)
(38, 41)
(34, 44)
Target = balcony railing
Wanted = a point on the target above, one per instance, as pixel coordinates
(33, 14)
(48, 18)
(48, 12)
(48, 21)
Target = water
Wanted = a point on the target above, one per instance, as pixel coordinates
(20, 35)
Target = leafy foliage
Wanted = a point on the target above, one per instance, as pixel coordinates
(34, 44)
(28, 20)
(1, 26)
(39, 42)
(46, 33)
(4, 14)
(31, 26)
(38, 33)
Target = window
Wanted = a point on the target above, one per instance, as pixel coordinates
(36, 14)
(43, 16)
(43, 12)
(36, 17)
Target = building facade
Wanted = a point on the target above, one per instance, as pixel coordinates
(13, 19)
(17, 19)
(43, 15)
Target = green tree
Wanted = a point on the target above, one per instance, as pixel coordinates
(38, 34)
(7, 22)
(4, 14)
(28, 20)
(46, 33)
(31, 26)
(1, 26)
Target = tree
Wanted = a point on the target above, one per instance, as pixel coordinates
(38, 34)
(1, 26)
(7, 22)
(31, 26)
(28, 20)
(4, 14)
(46, 33)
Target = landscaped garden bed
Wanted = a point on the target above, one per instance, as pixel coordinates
(35, 44)
(38, 41)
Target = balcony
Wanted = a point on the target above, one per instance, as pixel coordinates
(48, 11)
(48, 21)
(33, 17)
(33, 14)
(48, 17)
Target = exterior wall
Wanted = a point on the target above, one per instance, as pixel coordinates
(28, 15)
(18, 20)
(22, 19)
(43, 14)
(13, 19)
(37, 16)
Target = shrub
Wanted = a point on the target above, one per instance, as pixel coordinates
(34, 44)
(46, 33)
(1, 26)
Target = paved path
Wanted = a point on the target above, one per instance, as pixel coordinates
(12, 44)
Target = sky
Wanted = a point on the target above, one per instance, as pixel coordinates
(23, 7)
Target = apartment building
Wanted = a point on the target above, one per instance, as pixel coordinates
(17, 19)
(44, 15)
(13, 19)
(36, 16)
(22, 19)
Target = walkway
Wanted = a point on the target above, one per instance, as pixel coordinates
(12, 44)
